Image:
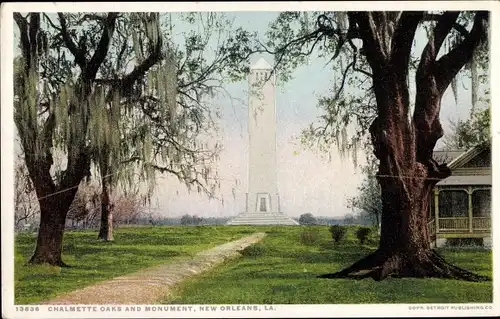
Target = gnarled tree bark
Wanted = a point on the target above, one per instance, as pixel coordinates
(407, 172)
(55, 197)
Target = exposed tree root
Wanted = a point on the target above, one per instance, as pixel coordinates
(380, 265)
(40, 261)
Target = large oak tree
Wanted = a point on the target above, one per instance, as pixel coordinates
(103, 89)
(379, 48)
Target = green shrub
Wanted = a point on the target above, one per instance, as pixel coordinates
(363, 233)
(338, 232)
(464, 242)
(254, 250)
(309, 237)
(307, 219)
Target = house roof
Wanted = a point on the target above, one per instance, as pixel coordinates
(466, 180)
(261, 64)
(463, 158)
(447, 156)
(467, 156)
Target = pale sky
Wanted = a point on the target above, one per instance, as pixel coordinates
(306, 182)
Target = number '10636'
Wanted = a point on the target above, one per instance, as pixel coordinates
(27, 309)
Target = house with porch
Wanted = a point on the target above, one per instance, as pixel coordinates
(460, 210)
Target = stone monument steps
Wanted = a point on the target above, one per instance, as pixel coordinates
(262, 222)
(262, 219)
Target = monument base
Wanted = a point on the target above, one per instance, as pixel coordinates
(262, 218)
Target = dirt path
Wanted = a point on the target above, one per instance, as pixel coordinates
(150, 285)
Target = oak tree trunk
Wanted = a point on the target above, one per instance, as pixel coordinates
(407, 175)
(53, 211)
(106, 227)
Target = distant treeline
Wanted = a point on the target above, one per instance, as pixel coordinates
(184, 220)
(196, 220)
(349, 220)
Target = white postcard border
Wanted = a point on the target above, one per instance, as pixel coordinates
(9, 310)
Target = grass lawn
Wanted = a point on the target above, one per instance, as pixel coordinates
(282, 270)
(94, 260)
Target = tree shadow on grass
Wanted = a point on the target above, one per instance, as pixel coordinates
(327, 253)
(160, 239)
(346, 246)
(329, 257)
(268, 275)
(64, 278)
(115, 253)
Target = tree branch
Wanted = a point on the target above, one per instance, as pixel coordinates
(77, 53)
(443, 27)
(119, 58)
(102, 49)
(368, 33)
(344, 76)
(34, 27)
(457, 26)
(449, 64)
(402, 41)
(51, 23)
(91, 16)
(154, 57)
(22, 23)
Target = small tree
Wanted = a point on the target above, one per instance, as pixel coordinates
(196, 220)
(127, 209)
(369, 196)
(338, 232)
(85, 208)
(307, 219)
(25, 203)
(362, 234)
(349, 219)
(470, 132)
(186, 219)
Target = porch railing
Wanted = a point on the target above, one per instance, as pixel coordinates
(462, 224)
(481, 223)
(453, 223)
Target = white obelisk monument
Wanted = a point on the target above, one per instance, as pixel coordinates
(262, 200)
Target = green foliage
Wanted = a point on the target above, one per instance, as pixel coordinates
(74, 90)
(95, 261)
(369, 197)
(476, 130)
(338, 232)
(294, 37)
(187, 219)
(287, 274)
(307, 219)
(350, 106)
(310, 237)
(284, 274)
(461, 243)
(126, 109)
(255, 250)
(362, 234)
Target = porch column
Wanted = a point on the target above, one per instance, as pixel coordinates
(436, 208)
(469, 192)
